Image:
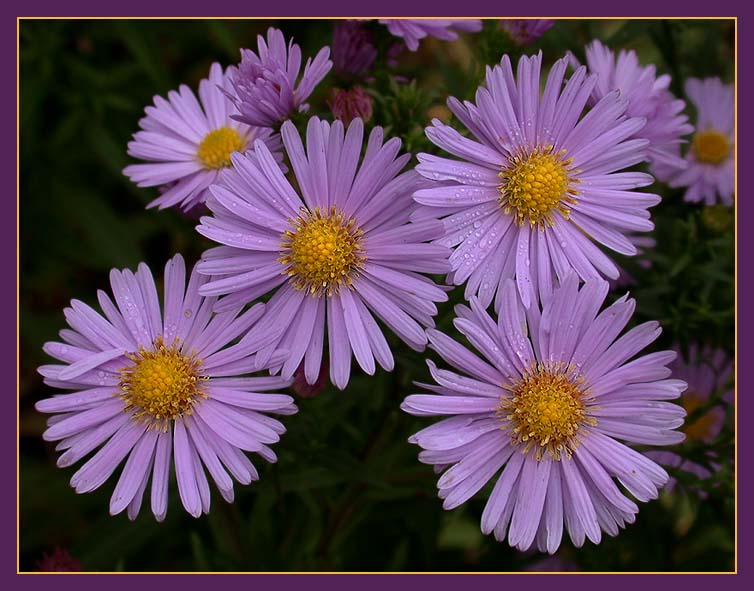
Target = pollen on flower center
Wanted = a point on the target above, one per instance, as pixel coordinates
(546, 411)
(701, 428)
(710, 146)
(218, 145)
(536, 184)
(163, 384)
(322, 251)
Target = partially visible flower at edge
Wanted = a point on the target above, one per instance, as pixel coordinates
(160, 388)
(186, 143)
(412, 31)
(544, 407)
(353, 49)
(709, 174)
(648, 96)
(708, 372)
(267, 88)
(526, 31)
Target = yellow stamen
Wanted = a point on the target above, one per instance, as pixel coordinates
(711, 147)
(536, 184)
(162, 385)
(322, 252)
(546, 410)
(701, 428)
(218, 145)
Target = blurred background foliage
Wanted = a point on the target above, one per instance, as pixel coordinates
(348, 493)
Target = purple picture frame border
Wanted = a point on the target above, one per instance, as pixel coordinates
(165, 8)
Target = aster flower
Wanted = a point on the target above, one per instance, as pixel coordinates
(335, 256)
(414, 30)
(648, 97)
(526, 31)
(353, 49)
(538, 186)
(710, 172)
(708, 372)
(187, 142)
(544, 406)
(267, 89)
(159, 388)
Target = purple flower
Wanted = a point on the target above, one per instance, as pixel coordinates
(348, 104)
(336, 255)
(537, 187)
(710, 170)
(187, 142)
(708, 373)
(414, 30)
(159, 388)
(526, 31)
(353, 50)
(266, 87)
(648, 97)
(545, 407)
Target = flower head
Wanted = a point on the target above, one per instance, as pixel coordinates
(414, 30)
(186, 141)
(708, 372)
(156, 388)
(648, 97)
(353, 49)
(709, 173)
(526, 31)
(337, 254)
(544, 406)
(539, 184)
(266, 85)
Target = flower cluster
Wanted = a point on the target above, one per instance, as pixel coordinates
(330, 246)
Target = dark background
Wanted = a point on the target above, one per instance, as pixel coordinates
(348, 492)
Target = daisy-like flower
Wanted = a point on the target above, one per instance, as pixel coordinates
(526, 31)
(648, 97)
(187, 142)
(708, 373)
(545, 407)
(267, 88)
(160, 388)
(710, 171)
(539, 185)
(412, 31)
(336, 256)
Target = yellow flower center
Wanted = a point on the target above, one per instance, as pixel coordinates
(546, 411)
(322, 252)
(162, 385)
(701, 428)
(536, 184)
(218, 145)
(710, 146)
